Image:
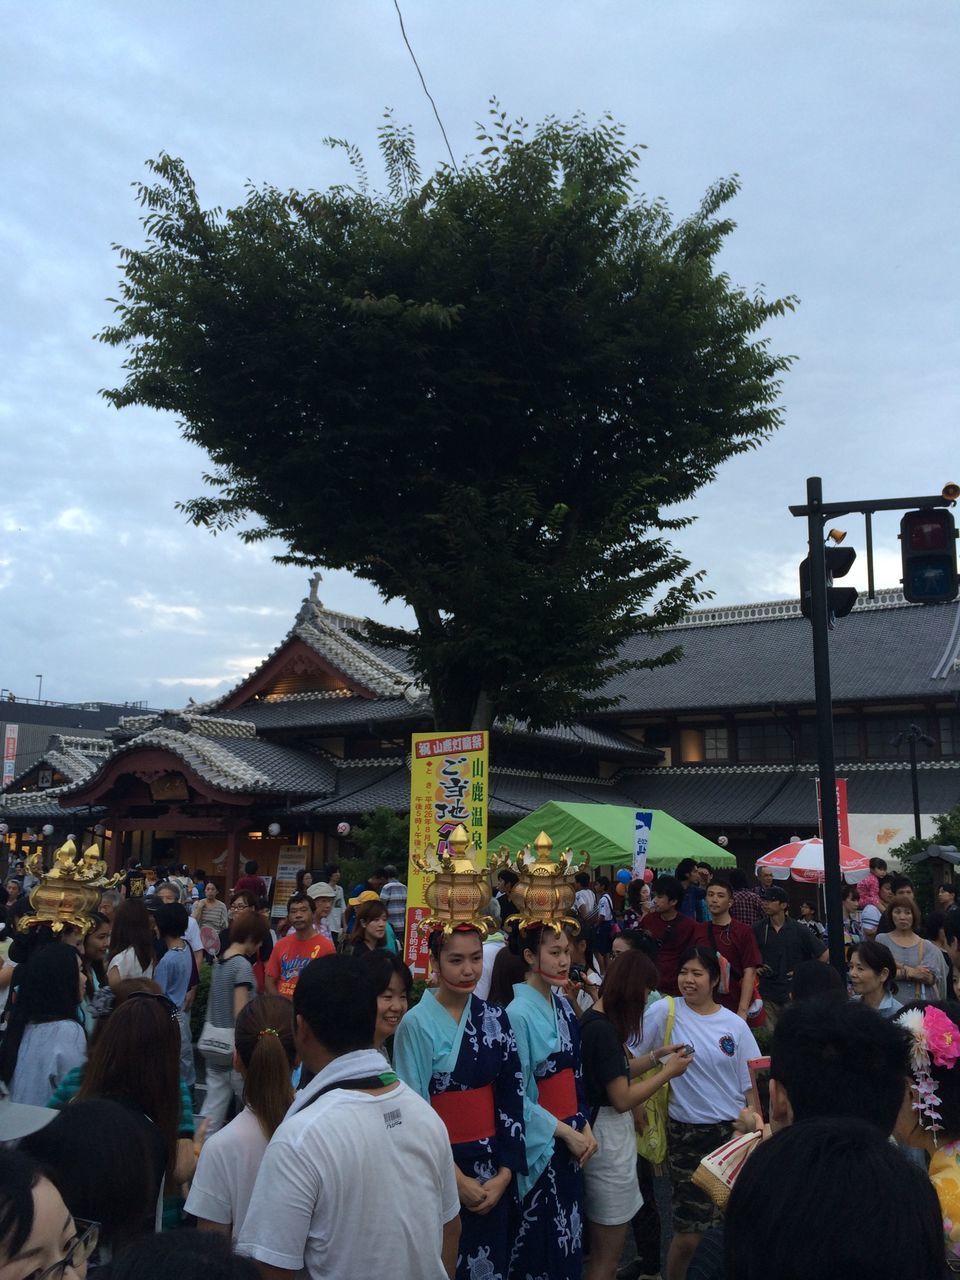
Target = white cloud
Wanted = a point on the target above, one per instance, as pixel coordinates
(165, 614)
(76, 520)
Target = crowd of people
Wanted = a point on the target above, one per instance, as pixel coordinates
(326, 1116)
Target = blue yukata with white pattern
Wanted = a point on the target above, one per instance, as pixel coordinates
(433, 1054)
(548, 1244)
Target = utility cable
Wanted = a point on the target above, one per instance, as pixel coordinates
(403, 32)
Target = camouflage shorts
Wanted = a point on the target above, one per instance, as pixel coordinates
(687, 1144)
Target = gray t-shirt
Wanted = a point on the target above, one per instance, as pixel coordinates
(227, 974)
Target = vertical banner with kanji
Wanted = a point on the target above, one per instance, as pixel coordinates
(10, 737)
(448, 786)
(642, 824)
(843, 812)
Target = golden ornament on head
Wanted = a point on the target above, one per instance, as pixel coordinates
(458, 892)
(545, 891)
(69, 893)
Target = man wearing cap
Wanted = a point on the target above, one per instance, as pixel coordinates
(322, 896)
(783, 945)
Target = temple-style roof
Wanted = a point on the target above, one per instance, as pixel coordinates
(366, 668)
(785, 795)
(366, 785)
(758, 655)
(71, 756)
(242, 764)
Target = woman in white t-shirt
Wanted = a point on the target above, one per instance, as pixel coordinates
(132, 953)
(229, 1162)
(44, 1039)
(707, 1098)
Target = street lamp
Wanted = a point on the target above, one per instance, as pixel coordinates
(912, 736)
(39, 678)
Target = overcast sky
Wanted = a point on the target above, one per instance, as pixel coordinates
(841, 118)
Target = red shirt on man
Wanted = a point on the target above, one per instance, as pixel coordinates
(737, 943)
(291, 956)
(674, 937)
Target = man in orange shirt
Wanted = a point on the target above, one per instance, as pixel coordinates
(293, 953)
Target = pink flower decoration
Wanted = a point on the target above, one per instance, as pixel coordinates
(943, 1037)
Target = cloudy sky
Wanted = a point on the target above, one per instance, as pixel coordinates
(841, 118)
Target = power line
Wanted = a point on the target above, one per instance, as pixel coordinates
(403, 32)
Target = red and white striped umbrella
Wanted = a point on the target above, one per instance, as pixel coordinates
(803, 860)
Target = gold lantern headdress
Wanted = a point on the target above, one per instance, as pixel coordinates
(545, 891)
(69, 892)
(458, 891)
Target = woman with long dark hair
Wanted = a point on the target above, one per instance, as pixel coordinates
(107, 1160)
(96, 942)
(228, 1165)
(612, 1194)
(44, 1037)
(136, 1060)
(132, 953)
(459, 1053)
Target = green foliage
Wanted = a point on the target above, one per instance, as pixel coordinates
(482, 392)
(383, 837)
(946, 831)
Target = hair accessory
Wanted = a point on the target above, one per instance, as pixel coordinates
(268, 1031)
(545, 890)
(458, 891)
(935, 1039)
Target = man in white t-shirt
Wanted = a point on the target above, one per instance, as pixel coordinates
(358, 1180)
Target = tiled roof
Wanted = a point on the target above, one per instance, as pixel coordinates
(786, 796)
(188, 721)
(327, 633)
(512, 792)
(310, 713)
(241, 763)
(74, 757)
(731, 658)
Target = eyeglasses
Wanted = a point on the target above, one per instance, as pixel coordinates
(155, 995)
(78, 1252)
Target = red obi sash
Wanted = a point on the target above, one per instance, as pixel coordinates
(467, 1113)
(558, 1094)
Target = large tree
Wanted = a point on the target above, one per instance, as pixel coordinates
(481, 392)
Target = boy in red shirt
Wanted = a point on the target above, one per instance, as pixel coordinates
(674, 932)
(293, 953)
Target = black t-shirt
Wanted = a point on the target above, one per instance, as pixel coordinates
(604, 1057)
(782, 950)
(135, 883)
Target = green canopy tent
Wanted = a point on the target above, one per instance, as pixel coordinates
(606, 832)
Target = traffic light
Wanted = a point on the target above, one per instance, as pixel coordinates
(840, 600)
(928, 552)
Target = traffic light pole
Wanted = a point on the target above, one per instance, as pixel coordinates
(820, 625)
(817, 513)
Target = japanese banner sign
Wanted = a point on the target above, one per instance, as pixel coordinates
(843, 814)
(10, 737)
(449, 781)
(642, 823)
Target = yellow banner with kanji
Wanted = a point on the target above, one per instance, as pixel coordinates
(449, 782)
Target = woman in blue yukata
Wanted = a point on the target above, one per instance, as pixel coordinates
(459, 1053)
(548, 1244)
